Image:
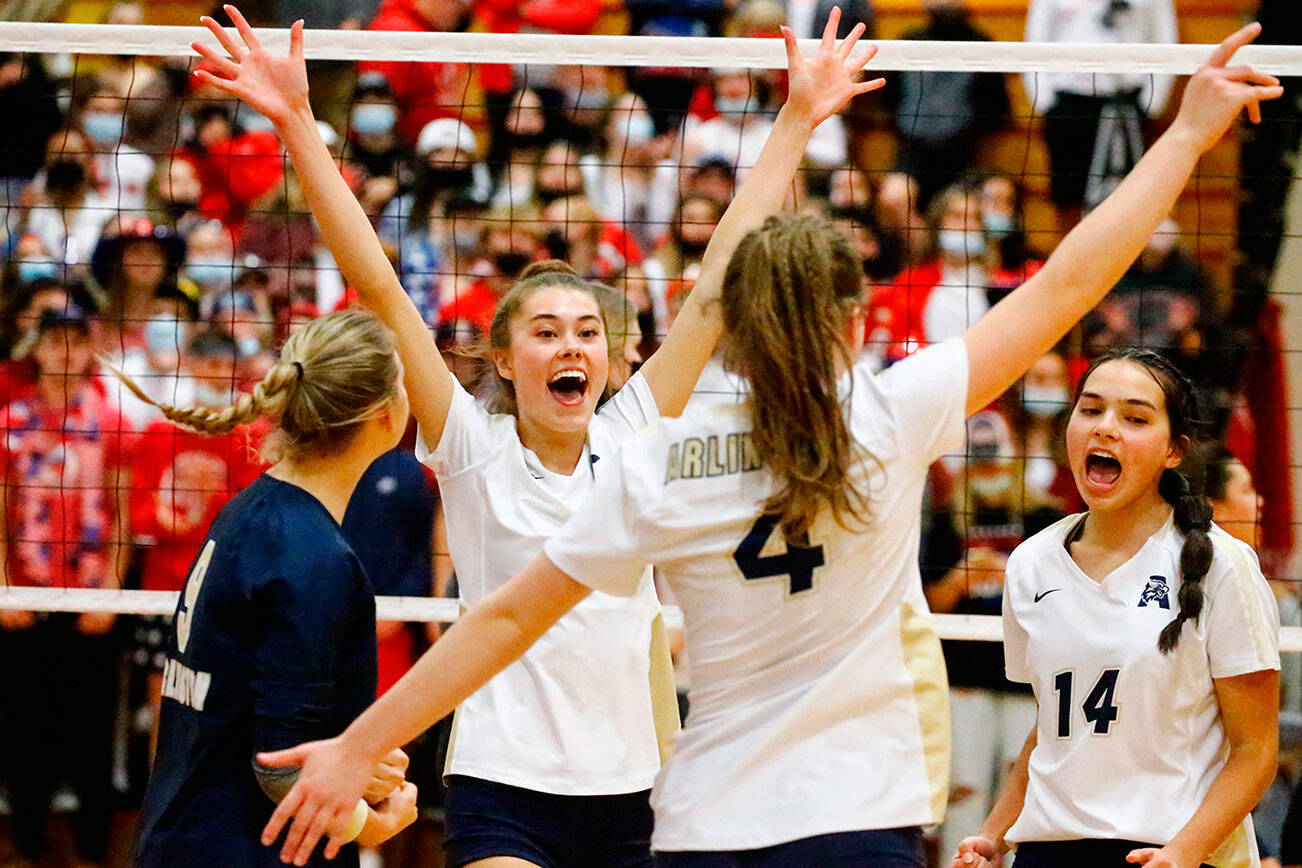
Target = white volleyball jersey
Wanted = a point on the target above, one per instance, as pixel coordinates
(819, 699)
(1130, 739)
(573, 715)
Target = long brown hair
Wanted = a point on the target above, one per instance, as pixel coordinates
(333, 374)
(789, 290)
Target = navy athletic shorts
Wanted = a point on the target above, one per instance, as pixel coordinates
(485, 818)
(1083, 853)
(878, 848)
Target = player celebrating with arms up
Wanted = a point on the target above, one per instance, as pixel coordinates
(787, 527)
(544, 768)
(1151, 640)
(274, 635)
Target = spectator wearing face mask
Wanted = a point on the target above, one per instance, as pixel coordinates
(447, 168)
(673, 266)
(374, 148)
(741, 119)
(1003, 217)
(135, 267)
(876, 248)
(122, 171)
(173, 195)
(515, 149)
(236, 164)
(63, 524)
(506, 247)
(943, 295)
(20, 316)
(424, 90)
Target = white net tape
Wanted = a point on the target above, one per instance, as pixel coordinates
(984, 628)
(687, 52)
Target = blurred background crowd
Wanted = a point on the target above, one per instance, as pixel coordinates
(155, 227)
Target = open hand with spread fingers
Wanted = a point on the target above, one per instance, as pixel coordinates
(274, 86)
(821, 86)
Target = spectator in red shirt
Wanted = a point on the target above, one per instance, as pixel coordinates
(425, 90)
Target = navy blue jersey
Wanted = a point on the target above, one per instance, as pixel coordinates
(273, 645)
(389, 523)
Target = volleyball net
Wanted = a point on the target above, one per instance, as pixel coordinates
(160, 224)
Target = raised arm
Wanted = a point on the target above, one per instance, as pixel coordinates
(1004, 343)
(277, 87)
(818, 89)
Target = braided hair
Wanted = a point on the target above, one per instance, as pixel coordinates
(333, 374)
(1191, 511)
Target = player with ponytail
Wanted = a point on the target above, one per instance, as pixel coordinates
(1151, 640)
(547, 766)
(787, 528)
(274, 634)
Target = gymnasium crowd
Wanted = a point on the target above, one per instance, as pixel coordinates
(156, 228)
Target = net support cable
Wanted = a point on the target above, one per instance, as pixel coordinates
(981, 628)
(658, 51)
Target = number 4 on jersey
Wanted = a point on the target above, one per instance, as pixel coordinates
(798, 563)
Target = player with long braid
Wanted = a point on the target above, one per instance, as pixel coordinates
(274, 634)
(1151, 640)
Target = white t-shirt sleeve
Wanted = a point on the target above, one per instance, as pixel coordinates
(927, 394)
(631, 409)
(602, 544)
(1015, 639)
(467, 436)
(1240, 614)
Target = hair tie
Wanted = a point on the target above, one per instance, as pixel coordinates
(298, 366)
(1182, 618)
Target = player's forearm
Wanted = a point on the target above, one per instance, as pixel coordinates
(482, 643)
(1240, 785)
(1011, 798)
(1004, 343)
(1095, 255)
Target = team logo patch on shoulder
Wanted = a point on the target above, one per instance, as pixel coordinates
(1157, 591)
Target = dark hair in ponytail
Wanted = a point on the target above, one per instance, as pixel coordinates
(788, 293)
(1192, 512)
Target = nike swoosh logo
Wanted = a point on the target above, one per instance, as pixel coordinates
(1040, 596)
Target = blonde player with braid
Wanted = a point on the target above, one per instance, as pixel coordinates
(787, 527)
(274, 637)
